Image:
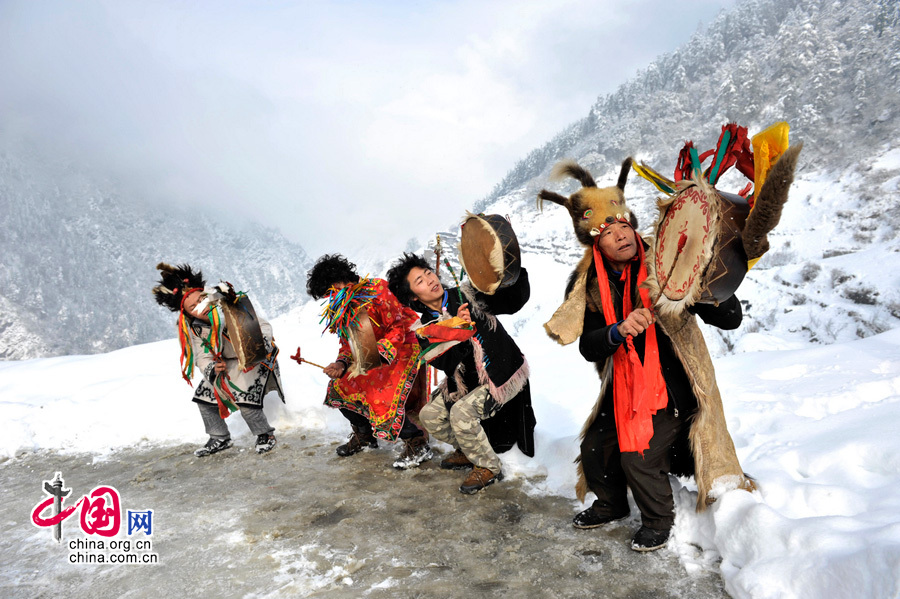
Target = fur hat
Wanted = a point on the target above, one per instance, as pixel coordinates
(592, 209)
(173, 282)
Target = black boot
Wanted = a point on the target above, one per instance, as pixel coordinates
(359, 440)
(591, 519)
(649, 539)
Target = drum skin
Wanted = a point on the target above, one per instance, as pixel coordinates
(699, 254)
(489, 252)
(244, 332)
(363, 345)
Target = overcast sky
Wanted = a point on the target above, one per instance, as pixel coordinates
(338, 122)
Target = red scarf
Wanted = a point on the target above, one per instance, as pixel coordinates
(639, 390)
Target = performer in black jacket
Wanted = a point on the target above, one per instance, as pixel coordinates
(484, 405)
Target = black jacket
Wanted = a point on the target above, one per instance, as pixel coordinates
(597, 344)
(501, 361)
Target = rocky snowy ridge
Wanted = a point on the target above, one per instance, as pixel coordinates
(832, 71)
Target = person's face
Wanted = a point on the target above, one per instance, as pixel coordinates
(425, 285)
(618, 243)
(191, 301)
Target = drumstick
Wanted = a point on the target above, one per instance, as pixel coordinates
(300, 360)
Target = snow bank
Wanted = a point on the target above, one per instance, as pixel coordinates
(814, 425)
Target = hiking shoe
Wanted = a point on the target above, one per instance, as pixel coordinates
(359, 440)
(591, 519)
(456, 461)
(265, 442)
(415, 452)
(478, 479)
(649, 539)
(213, 446)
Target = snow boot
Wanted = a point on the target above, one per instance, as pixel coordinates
(591, 519)
(359, 440)
(456, 461)
(478, 479)
(415, 452)
(213, 446)
(265, 442)
(649, 539)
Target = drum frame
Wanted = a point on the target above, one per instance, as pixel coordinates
(499, 268)
(722, 263)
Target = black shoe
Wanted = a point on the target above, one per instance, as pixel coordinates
(213, 446)
(358, 441)
(591, 519)
(649, 539)
(265, 442)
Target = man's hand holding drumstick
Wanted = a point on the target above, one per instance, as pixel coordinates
(463, 312)
(636, 322)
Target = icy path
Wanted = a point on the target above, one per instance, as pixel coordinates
(301, 522)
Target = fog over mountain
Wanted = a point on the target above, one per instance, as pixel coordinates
(79, 258)
(79, 249)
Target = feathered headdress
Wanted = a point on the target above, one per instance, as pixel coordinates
(174, 282)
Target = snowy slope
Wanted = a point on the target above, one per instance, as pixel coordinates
(814, 424)
(831, 70)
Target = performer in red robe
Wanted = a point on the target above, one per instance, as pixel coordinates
(374, 375)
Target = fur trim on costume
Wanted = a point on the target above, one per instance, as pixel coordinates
(567, 323)
(513, 385)
(461, 389)
(716, 465)
(605, 372)
(769, 203)
(477, 307)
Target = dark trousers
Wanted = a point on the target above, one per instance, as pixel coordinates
(407, 431)
(608, 471)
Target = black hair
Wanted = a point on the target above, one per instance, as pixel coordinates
(330, 269)
(397, 277)
(173, 281)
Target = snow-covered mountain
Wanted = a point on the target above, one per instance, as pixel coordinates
(832, 70)
(79, 260)
(78, 255)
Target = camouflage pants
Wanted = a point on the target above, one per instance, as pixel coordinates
(460, 425)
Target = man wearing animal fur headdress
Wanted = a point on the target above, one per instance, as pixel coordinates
(659, 410)
(374, 378)
(207, 345)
